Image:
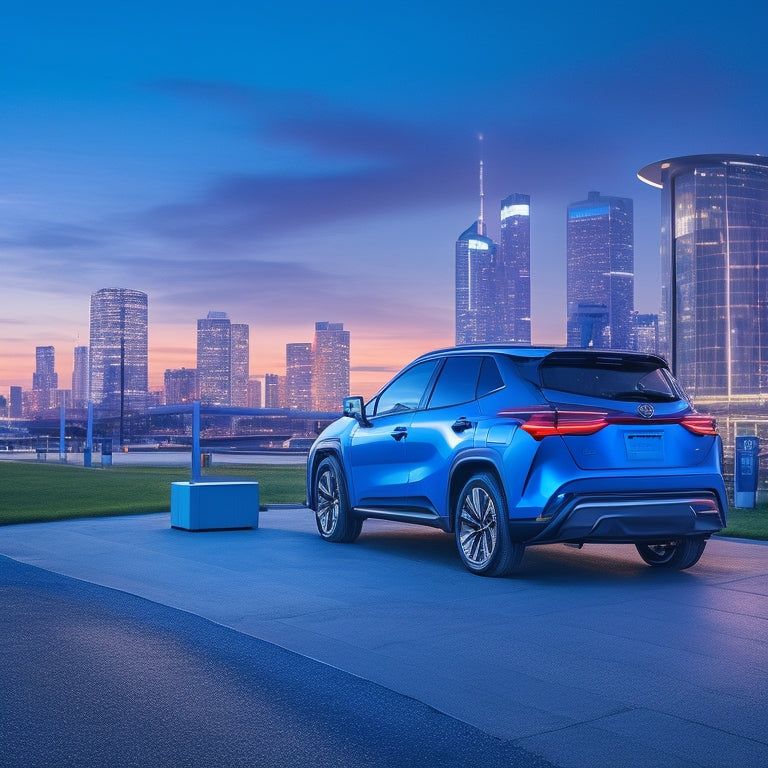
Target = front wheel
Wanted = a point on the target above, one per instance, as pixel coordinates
(482, 529)
(675, 555)
(333, 515)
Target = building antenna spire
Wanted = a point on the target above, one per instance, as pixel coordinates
(481, 218)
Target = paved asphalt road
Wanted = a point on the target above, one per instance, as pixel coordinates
(588, 659)
(96, 678)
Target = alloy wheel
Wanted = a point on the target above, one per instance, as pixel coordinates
(327, 501)
(478, 521)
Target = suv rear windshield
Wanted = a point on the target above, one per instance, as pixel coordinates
(611, 377)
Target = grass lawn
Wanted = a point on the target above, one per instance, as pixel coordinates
(31, 492)
(748, 523)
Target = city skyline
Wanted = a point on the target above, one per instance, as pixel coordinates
(285, 181)
(315, 375)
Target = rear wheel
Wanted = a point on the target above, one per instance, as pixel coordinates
(333, 515)
(675, 555)
(482, 529)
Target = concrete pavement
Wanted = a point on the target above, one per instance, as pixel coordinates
(589, 658)
(96, 678)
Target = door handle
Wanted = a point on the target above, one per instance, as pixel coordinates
(400, 433)
(461, 424)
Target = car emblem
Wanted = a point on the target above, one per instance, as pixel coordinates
(646, 410)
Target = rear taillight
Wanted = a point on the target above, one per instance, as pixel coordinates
(699, 425)
(540, 423)
(543, 423)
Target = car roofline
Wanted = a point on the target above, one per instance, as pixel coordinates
(514, 350)
(538, 353)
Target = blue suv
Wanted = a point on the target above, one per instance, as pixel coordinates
(507, 447)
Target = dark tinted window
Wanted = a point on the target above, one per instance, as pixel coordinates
(613, 379)
(406, 391)
(457, 382)
(490, 378)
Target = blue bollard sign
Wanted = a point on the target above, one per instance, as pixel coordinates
(745, 471)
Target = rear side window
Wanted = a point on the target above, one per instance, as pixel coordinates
(612, 379)
(490, 378)
(457, 382)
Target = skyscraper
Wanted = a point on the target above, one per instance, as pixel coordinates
(475, 292)
(254, 393)
(240, 365)
(645, 329)
(330, 366)
(80, 378)
(222, 360)
(45, 380)
(492, 282)
(118, 351)
(475, 255)
(15, 406)
(181, 385)
(600, 273)
(272, 390)
(214, 344)
(714, 272)
(298, 376)
(45, 376)
(511, 274)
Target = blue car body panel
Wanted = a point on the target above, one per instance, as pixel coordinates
(637, 478)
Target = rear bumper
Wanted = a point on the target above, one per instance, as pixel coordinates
(631, 516)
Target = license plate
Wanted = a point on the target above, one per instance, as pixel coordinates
(645, 446)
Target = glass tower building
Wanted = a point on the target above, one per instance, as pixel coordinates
(298, 376)
(512, 272)
(16, 402)
(117, 377)
(239, 362)
(645, 329)
(272, 391)
(80, 377)
(714, 261)
(600, 272)
(475, 257)
(45, 376)
(331, 366)
(254, 393)
(222, 360)
(181, 385)
(45, 381)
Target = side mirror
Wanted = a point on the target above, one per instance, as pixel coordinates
(354, 408)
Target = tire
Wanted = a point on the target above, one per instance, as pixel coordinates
(333, 515)
(482, 529)
(673, 555)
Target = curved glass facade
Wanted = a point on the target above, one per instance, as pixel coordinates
(714, 318)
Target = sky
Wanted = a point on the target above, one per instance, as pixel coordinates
(288, 163)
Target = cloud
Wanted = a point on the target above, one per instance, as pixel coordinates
(13, 321)
(50, 235)
(340, 164)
